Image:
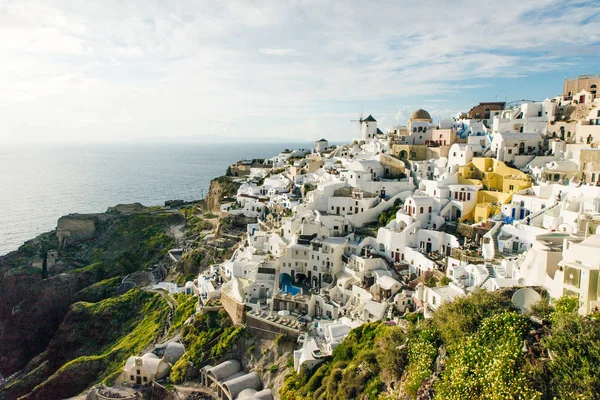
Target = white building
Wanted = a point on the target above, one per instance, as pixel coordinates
(368, 128)
(321, 145)
(519, 148)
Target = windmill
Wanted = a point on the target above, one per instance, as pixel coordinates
(359, 120)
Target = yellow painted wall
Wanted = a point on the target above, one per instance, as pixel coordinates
(495, 175)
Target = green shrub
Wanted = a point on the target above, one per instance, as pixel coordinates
(489, 364)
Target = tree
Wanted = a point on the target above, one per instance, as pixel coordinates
(429, 279)
(574, 344)
(463, 316)
(392, 353)
(445, 281)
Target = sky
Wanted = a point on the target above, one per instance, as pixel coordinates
(157, 70)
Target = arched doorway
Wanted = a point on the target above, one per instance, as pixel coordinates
(521, 148)
(403, 155)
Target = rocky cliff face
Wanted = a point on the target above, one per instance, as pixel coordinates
(36, 305)
(220, 188)
(32, 323)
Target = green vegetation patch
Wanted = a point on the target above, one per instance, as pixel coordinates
(130, 323)
(100, 290)
(207, 340)
(186, 307)
(477, 347)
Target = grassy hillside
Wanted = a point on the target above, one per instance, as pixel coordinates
(207, 340)
(71, 324)
(92, 344)
(476, 347)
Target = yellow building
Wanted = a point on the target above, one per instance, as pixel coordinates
(499, 183)
(494, 175)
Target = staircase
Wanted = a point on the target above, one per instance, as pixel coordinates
(446, 209)
(495, 241)
(491, 273)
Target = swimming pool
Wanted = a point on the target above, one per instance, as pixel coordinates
(285, 284)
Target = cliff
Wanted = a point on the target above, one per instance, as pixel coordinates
(220, 188)
(46, 336)
(91, 344)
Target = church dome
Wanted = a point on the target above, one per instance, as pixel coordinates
(420, 114)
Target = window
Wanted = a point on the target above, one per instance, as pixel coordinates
(421, 210)
(131, 377)
(145, 379)
(429, 208)
(138, 372)
(511, 187)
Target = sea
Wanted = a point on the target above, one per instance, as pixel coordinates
(39, 184)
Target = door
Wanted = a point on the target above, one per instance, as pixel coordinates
(582, 99)
(138, 380)
(337, 210)
(428, 248)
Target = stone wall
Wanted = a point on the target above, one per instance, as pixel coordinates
(267, 330)
(75, 228)
(127, 208)
(233, 308)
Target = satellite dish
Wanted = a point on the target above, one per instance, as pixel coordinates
(524, 298)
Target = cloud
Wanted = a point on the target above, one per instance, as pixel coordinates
(278, 52)
(129, 70)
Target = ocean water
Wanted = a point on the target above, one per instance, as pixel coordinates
(40, 184)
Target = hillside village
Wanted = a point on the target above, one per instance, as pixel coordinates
(502, 197)
(335, 271)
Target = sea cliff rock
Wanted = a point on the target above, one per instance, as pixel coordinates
(29, 329)
(127, 208)
(220, 188)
